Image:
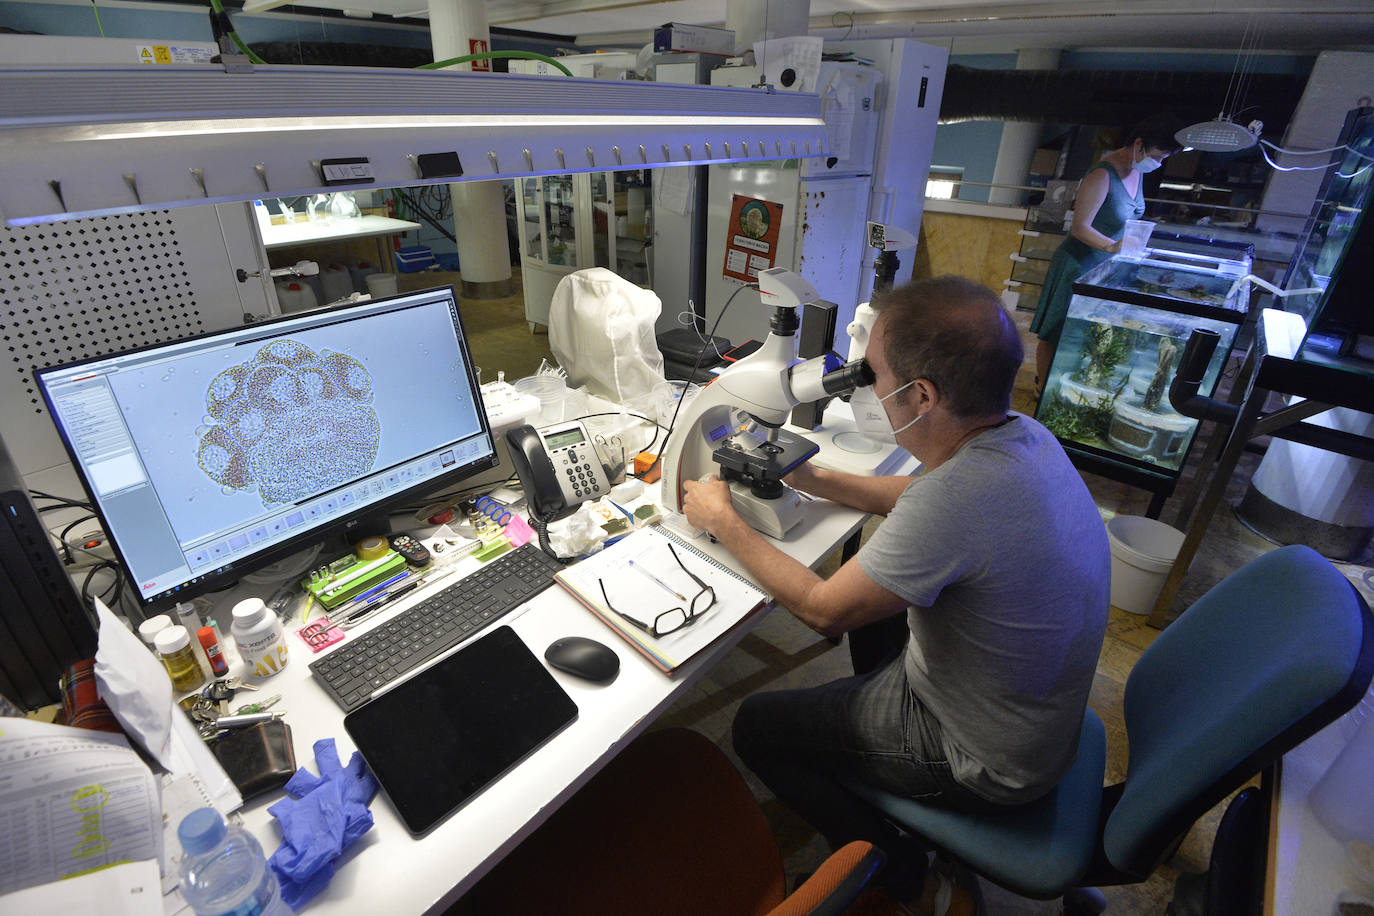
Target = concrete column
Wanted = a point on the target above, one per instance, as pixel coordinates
(458, 28)
(758, 20)
(1019, 138)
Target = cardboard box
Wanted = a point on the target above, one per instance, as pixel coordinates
(703, 39)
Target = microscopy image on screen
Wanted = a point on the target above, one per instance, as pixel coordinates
(289, 423)
(231, 434)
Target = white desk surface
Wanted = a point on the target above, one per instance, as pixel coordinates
(303, 232)
(388, 871)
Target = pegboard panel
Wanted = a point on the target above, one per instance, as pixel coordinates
(91, 287)
(95, 286)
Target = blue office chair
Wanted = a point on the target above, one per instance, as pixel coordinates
(1265, 659)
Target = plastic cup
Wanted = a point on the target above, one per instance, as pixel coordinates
(550, 390)
(1137, 234)
(668, 396)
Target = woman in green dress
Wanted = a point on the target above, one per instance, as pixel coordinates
(1109, 195)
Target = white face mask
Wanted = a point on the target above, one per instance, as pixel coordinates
(1147, 165)
(870, 416)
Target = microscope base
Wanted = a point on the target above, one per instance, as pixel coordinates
(773, 517)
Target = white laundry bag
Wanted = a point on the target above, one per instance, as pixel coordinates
(601, 331)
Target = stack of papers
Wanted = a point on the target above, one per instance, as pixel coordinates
(642, 579)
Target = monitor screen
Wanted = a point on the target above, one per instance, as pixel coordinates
(210, 456)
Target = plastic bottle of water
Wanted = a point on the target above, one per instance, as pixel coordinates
(223, 871)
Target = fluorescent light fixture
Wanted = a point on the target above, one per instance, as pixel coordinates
(1220, 136)
(92, 141)
(169, 129)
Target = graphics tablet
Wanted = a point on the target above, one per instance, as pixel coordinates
(441, 737)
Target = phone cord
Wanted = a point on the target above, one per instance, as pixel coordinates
(541, 525)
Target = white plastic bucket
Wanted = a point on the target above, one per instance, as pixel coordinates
(1143, 550)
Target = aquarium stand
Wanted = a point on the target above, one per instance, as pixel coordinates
(1160, 486)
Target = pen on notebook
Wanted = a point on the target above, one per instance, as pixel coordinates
(659, 582)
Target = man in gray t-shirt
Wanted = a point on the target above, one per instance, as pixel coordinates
(1003, 558)
(994, 554)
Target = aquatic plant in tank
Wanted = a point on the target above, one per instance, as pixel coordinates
(1086, 380)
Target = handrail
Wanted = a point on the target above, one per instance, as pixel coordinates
(936, 176)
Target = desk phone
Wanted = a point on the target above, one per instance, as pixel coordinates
(559, 467)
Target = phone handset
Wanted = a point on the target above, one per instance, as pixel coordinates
(558, 466)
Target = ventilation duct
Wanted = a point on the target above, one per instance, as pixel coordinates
(1109, 97)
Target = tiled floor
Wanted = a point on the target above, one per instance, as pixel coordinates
(781, 652)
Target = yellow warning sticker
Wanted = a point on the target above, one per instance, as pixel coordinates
(145, 54)
(162, 54)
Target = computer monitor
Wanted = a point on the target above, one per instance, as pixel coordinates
(208, 457)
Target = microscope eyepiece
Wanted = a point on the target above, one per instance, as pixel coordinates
(854, 374)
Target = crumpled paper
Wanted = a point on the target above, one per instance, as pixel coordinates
(579, 534)
(135, 687)
(322, 817)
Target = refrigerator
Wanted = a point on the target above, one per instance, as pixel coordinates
(808, 215)
(881, 107)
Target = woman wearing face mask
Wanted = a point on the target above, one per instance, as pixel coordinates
(1110, 194)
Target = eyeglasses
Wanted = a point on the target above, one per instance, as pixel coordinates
(673, 619)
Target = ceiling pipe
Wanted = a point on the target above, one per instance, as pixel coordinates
(1006, 29)
(1108, 97)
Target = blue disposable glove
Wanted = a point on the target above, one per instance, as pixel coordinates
(323, 816)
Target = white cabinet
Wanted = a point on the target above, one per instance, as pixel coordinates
(571, 222)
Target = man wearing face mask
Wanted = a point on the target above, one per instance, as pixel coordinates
(994, 558)
(1110, 194)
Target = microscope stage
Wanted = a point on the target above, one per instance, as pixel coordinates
(844, 448)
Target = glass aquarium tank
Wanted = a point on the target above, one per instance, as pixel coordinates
(1330, 277)
(1107, 395)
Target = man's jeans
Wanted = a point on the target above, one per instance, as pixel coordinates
(869, 728)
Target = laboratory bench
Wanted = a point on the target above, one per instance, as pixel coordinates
(305, 232)
(388, 870)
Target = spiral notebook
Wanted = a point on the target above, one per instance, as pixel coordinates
(642, 579)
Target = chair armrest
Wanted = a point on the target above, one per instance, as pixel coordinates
(836, 884)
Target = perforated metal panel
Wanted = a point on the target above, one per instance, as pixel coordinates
(91, 287)
(96, 286)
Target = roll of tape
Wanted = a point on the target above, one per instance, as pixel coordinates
(370, 548)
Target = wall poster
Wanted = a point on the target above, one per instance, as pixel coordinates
(752, 241)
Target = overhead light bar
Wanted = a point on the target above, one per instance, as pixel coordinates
(173, 129)
(87, 141)
(1219, 136)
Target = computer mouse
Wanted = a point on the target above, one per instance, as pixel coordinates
(583, 657)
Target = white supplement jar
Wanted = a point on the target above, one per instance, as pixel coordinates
(259, 636)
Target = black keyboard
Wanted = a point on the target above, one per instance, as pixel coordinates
(369, 662)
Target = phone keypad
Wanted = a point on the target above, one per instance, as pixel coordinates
(582, 480)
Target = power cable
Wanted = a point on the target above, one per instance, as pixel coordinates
(691, 375)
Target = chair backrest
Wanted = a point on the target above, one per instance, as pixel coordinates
(1268, 657)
